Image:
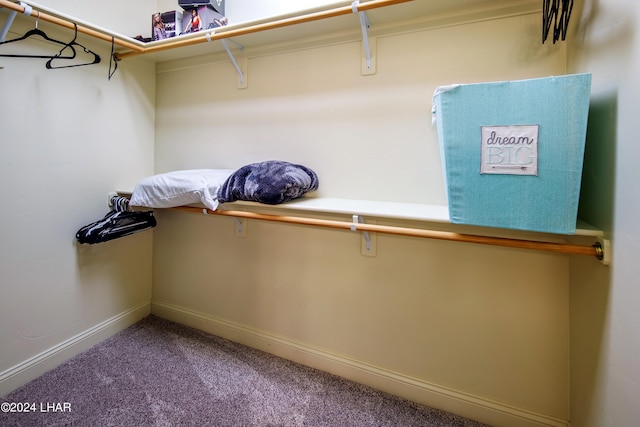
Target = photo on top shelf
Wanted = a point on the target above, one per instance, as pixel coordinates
(201, 18)
(165, 25)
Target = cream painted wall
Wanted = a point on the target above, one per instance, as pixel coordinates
(256, 10)
(411, 309)
(605, 307)
(69, 137)
(491, 324)
(126, 18)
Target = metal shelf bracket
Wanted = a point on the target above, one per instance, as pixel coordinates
(242, 75)
(368, 247)
(12, 16)
(368, 44)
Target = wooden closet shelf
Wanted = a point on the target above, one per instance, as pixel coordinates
(558, 246)
(314, 23)
(425, 216)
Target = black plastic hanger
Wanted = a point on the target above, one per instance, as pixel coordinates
(113, 59)
(70, 45)
(38, 32)
(556, 15)
(116, 224)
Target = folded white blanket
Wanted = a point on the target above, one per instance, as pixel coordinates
(178, 188)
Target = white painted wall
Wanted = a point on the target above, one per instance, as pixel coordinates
(256, 10)
(605, 305)
(69, 137)
(126, 18)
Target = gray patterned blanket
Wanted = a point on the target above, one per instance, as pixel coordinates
(271, 182)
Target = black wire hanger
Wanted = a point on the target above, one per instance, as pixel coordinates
(113, 59)
(70, 45)
(40, 33)
(556, 14)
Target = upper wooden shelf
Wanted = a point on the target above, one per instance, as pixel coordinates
(337, 22)
(334, 22)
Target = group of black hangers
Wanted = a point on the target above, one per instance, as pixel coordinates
(59, 60)
(556, 14)
(119, 222)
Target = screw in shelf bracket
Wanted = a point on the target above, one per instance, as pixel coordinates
(241, 227)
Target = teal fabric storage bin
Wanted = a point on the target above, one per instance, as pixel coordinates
(512, 151)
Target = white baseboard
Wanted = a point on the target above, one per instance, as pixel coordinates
(471, 406)
(37, 365)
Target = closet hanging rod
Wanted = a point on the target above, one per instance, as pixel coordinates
(565, 248)
(211, 35)
(71, 25)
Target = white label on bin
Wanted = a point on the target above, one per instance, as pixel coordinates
(509, 150)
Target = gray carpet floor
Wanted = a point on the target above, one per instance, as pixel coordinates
(159, 373)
